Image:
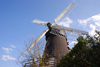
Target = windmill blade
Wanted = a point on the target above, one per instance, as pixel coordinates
(70, 29)
(70, 6)
(40, 22)
(34, 42)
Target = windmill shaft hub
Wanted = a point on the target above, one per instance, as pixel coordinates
(49, 25)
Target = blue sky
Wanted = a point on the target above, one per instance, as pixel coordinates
(16, 25)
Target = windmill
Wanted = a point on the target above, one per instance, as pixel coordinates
(56, 41)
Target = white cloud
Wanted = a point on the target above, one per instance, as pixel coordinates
(91, 24)
(71, 44)
(97, 23)
(13, 46)
(7, 49)
(66, 22)
(83, 22)
(92, 32)
(95, 19)
(7, 57)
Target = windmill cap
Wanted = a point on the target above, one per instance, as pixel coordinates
(56, 32)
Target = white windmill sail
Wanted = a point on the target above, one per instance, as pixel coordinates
(70, 29)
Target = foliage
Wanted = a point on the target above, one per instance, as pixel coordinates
(86, 53)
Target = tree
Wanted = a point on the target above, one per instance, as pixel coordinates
(33, 57)
(86, 53)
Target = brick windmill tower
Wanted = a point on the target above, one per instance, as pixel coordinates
(56, 43)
